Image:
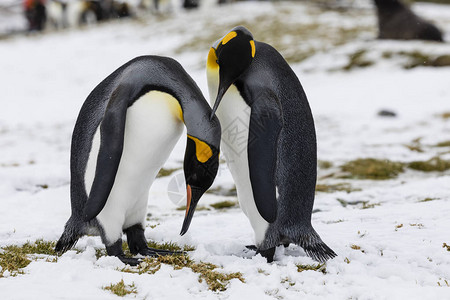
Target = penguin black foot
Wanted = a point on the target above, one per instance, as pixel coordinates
(252, 247)
(138, 244)
(116, 250)
(268, 253)
(129, 260)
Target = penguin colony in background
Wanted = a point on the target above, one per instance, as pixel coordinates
(273, 162)
(397, 21)
(125, 131)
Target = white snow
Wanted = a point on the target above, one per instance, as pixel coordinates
(45, 79)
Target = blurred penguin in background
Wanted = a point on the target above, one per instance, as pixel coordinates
(36, 14)
(397, 21)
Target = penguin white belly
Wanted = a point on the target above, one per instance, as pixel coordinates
(153, 127)
(234, 115)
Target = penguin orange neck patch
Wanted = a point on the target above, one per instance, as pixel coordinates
(202, 150)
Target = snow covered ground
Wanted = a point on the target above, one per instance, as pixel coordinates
(391, 247)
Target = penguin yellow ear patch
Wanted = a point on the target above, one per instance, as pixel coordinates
(252, 44)
(202, 150)
(229, 37)
(212, 59)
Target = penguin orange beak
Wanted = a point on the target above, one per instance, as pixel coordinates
(191, 204)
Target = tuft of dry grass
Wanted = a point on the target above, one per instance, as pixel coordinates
(443, 144)
(221, 191)
(338, 187)
(14, 258)
(318, 267)
(370, 168)
(444, 245)
(166, 172)
(216, 280)
(224, 204)
(431, 165)
(121, 289)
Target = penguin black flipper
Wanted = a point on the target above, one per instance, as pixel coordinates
(112, 131)
(265, 126)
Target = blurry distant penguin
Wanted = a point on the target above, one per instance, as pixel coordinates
(126, 129)
(397, 21)
(269, 141)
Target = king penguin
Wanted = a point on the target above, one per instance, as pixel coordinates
(125, 131)
(269, 141)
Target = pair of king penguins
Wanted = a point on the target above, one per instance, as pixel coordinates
(131, 121)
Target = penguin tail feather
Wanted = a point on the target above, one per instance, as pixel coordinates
(72, 232)
(315, 247)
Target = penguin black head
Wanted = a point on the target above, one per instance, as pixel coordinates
(201, 162)
(232, 55)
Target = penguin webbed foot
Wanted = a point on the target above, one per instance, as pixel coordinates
(152, 252)
(267, 253)
(138, 244)
(129, 260)
(117, 251)
(252, 247)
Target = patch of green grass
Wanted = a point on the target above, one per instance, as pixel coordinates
(13, 262)
(431, 165)
(121, 289)
(14, 258)
(357, 60)
(224, 204)
(216, 281)
(443, 144)
(318, 268)
(370, 168)
(417, 58)
(166, 172)
(331, 188)
(199, 208)
(367, 205)
(221, 191)
(324, 164)
(170, 246)
(428, 199)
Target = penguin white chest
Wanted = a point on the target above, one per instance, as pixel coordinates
(153, 127)
(234, 116)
